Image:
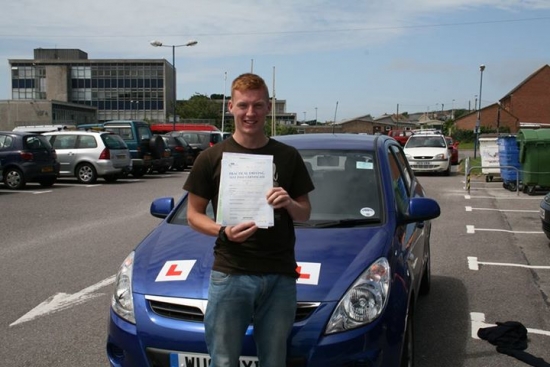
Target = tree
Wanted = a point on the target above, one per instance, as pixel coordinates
(199, 106)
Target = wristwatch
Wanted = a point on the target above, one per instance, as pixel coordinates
(222, 235)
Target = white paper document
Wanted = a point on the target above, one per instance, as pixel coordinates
(244, 183)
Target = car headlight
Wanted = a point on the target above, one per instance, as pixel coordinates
(123, 300)
(408, 156)
(440, 156)
(364, 301)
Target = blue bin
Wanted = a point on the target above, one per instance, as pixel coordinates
(508, 153)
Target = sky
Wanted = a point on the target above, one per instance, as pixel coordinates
(330, 60)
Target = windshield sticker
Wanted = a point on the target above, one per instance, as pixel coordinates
(175, 270)
(367, 212)
(309, 273)
(363, 165)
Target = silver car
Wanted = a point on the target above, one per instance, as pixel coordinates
(88, 155)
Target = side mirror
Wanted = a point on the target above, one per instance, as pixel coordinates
(161, 207)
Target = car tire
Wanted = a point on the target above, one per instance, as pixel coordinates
(407, 352)
(110, 178)
(156, 146)
(14, 179)
(86, 173)
(139, 172)
(47, 182)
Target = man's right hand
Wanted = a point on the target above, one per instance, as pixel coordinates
(241, 232)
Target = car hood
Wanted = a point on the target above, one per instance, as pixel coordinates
(424, 151)
(175, 261)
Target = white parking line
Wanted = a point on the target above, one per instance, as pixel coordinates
(469, 209)
(470, 197)
(478, 322)
(470, 229)
(473, 264)
(25, 192)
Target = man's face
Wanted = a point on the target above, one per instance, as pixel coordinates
(250, 109)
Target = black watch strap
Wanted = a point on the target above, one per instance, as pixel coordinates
(222, 235)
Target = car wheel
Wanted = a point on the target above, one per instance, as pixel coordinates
(13, 179)
(138, 173)
(162, 170)
(407, 353)
(85, 173)
(110, 178)
(181, 168)
(448, 171)
(47, 182)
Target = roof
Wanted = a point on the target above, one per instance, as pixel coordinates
(332, 141)
(525, 81)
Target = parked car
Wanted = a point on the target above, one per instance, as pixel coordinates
(453, 146)
(201, 140)
(400, 135)
(146, 152)
(363, 259)
(27, 157)
(88, 155)
(182, 152)
(545, 214)
(428, 152)
(162, 154)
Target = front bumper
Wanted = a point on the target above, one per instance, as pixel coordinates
(429, 165)
(151, 344)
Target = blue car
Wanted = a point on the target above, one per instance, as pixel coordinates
(363, 259)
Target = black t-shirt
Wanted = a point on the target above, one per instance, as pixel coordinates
(269, 250)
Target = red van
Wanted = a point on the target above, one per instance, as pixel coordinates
(166, 128)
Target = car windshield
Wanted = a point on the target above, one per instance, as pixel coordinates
(425, 142)
(347, 189)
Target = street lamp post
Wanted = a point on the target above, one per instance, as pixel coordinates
(160, 44)
(478, 122)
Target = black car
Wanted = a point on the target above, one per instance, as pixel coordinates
(545, 214)
(27, 157)
(182, 152)
(201, 140)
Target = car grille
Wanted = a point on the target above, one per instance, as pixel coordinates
(194, 314)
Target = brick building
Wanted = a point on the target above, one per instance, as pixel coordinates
(528, 102)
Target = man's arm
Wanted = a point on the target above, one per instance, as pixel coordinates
(196, 215)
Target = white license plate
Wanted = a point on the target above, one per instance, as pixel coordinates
(200, 360)
(121, 156)
(423, 163)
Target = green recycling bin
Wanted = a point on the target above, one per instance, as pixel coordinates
(534, 156)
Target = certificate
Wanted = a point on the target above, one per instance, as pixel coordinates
(244, 183)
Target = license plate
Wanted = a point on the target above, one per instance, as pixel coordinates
(47, 169)
(121, 156)
(197, 359)
(423, 163)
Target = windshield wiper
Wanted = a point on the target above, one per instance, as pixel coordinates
(341, 223)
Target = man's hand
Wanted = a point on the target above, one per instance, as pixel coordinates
(277, 197)
(241, 232)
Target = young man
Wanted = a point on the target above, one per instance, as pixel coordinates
(254, 274)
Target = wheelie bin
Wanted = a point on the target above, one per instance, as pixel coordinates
(534, 156)
(508, 152)
(488, 150)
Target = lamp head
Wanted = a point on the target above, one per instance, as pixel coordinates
(481, 67)
(156, 43)
(191, 43)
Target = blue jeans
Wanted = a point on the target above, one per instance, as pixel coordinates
(235, 301)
